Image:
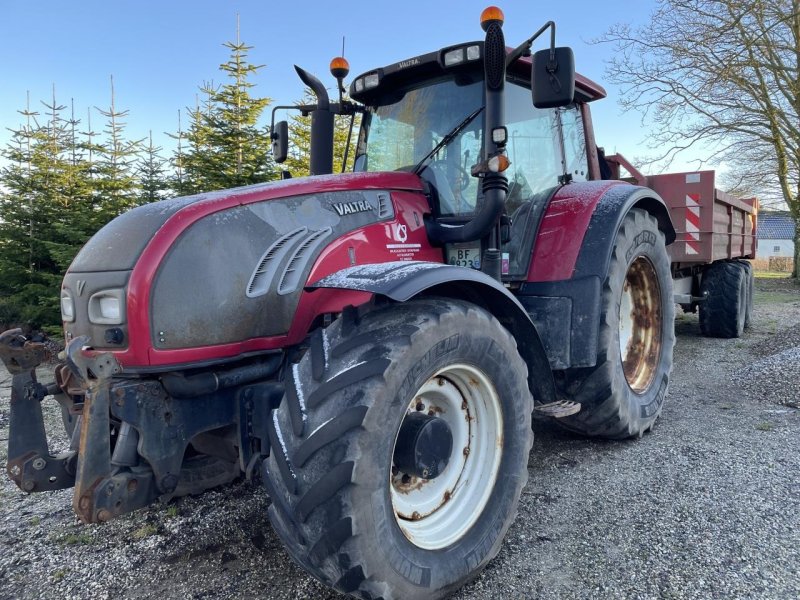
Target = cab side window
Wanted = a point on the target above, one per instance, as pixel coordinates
(543, 145)
(533, 147)
(576, 162)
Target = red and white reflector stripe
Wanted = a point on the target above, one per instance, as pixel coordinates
(692, 223)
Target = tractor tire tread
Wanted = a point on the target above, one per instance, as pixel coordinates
(359, 352)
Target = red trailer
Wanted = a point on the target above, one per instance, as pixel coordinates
(715, 233)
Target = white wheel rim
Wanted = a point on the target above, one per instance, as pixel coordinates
(436, 513)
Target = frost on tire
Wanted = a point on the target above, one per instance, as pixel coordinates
(365, 494)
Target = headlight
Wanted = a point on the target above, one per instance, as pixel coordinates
(359, 86)
(107, 307)
(67, 307)
(454, 57)
(473, 52)
(371, 80)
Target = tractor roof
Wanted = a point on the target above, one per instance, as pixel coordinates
(406, 73)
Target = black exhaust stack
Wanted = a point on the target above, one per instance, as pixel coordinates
(321, 126)
(494, 185)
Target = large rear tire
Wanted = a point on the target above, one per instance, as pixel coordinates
(344, 500)
(723, 313)
(623, 394)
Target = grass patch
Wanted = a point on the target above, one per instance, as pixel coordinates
(776, 297)
(59, 574)
(35, 521)
(172, 511)
(76, 539)
(771, 275)
(765, 426)
(145, 531)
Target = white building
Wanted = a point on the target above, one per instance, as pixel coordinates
(775, 232)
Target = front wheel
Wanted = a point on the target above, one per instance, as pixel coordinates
(622, 395)
(400, 449)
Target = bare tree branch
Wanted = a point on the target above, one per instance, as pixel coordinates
(723, 73)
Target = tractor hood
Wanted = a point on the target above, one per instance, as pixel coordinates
(215, 268)
(118, 245)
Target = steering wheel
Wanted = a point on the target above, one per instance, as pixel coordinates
(443, 167)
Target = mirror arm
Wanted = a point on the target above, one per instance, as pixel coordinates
(272, 119)
(525, 47)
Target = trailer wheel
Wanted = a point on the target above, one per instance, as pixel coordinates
(723, 313)
(623, 394)
(400, 449)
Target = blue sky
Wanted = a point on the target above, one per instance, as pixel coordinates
(160, 52)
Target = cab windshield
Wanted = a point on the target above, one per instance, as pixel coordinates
(401, 132)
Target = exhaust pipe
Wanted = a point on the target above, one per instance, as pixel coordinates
(321, 126)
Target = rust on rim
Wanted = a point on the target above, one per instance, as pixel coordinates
(640, 324)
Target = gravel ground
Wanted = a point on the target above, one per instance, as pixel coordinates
(706, 506)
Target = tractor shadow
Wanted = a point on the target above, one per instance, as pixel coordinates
(557, 448)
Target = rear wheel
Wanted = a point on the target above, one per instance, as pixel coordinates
(400, 449)
(623, 394)
(725, 287)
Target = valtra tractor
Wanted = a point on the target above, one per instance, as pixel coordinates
(370, 345)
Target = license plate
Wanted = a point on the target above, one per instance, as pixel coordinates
(464, 255)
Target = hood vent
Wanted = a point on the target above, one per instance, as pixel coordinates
(268, 265)
(384, 205)
(291, 278)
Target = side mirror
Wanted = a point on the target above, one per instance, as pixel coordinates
(280, 141)
(553, 81)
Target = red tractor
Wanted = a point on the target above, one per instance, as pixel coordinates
(370, 345)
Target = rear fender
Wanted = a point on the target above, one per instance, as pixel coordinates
(598, 241)
(566, 310)
(402, 281)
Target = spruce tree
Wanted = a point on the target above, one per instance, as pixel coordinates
(57, 189)
(116, 183)
(177, 181)
(199, 160)
(40, 215)
(227, 147)
(153, 183)
(17, 243)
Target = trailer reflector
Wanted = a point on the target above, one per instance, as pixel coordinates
(692, 223)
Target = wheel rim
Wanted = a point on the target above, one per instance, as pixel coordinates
(434, 513)
(640, 322)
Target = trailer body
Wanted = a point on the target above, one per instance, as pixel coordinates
(710, 224)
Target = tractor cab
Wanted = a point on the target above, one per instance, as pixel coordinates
(492, 132)
(426, 115)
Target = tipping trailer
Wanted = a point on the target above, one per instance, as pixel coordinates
(715, 234)
(371, 345)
